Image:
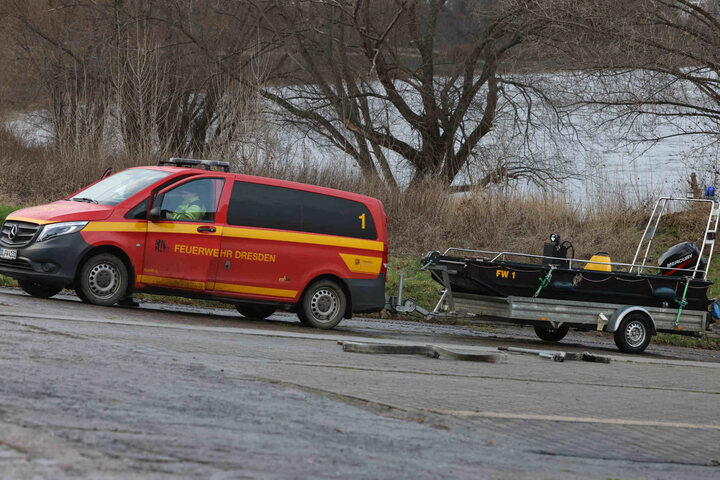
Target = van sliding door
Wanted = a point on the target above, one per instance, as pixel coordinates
(278, 238)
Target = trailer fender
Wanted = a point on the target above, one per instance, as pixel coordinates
(623, 312)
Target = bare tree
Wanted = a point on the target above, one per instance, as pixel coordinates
(651, 66)
(383, 78)
(52, 42)
(387, 80)
(116, 67)
(418, 83)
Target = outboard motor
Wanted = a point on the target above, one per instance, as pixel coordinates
(554, 248)
(681, 256)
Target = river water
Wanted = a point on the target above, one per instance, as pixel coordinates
(593, 158)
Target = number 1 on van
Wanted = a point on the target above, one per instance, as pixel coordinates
(362, 219)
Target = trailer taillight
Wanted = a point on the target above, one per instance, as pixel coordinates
(383, 267)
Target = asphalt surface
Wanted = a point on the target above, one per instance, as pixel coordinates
(181, 392)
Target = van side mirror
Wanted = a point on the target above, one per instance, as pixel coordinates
(154, 213)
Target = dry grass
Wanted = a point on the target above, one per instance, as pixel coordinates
(35, 174)
(424, 218)
(430, 219)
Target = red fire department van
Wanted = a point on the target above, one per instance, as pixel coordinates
(259, 243)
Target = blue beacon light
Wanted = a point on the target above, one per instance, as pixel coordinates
(710, 192)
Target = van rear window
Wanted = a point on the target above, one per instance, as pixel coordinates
(266, 206)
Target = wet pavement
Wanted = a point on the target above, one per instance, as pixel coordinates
(179, 392)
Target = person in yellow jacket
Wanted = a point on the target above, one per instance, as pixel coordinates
(191, 208)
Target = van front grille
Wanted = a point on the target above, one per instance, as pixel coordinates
(17, 234)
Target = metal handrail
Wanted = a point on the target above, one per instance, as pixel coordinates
(570, 260)
(654, 231)
(664, 201)
(713, 213)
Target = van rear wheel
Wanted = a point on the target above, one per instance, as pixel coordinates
(322, 305)
(103, 280)
(255, 311)
(38, 290)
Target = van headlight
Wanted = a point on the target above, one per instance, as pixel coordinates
(57, 229)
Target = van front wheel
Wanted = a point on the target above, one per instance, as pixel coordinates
(322, 305)
(103, 280)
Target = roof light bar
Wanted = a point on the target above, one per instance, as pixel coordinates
(192, 162)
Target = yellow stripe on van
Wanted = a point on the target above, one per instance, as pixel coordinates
(151, 227)
(237, 232)
(273, 292)
(29, 220)
(224, 287)
(362, 264)
(115, 227)
(295, 237)
(170, 282)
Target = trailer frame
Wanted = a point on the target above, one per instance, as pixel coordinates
(557, 315)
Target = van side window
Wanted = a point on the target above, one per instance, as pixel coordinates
(139, 212)
(194, 201)
(266, 206)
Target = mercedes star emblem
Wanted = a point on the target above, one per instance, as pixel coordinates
(13, 232)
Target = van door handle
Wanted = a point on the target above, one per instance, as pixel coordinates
(206, 229)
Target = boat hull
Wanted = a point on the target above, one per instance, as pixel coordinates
(504, 279)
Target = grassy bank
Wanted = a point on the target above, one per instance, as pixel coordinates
(5, 210)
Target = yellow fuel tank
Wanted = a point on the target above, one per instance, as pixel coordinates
(600, 262)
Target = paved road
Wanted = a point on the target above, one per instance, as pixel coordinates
(149, 393)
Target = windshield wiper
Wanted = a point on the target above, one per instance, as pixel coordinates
(83, 199)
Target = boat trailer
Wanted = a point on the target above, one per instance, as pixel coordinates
(551, 312)
(553, 317)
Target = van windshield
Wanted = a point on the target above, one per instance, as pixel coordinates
(119, 187)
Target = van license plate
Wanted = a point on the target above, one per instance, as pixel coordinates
(8, 254)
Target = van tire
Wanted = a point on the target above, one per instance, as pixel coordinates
(38, 290)
(260, 312)
(103, 280)
(303, 322)
(80, 295)
(322, 305)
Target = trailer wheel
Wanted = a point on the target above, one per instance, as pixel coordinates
(633, 333)
(259, 312)
(39, 290)
(103, 279)
(551, 334)
(322, 305)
